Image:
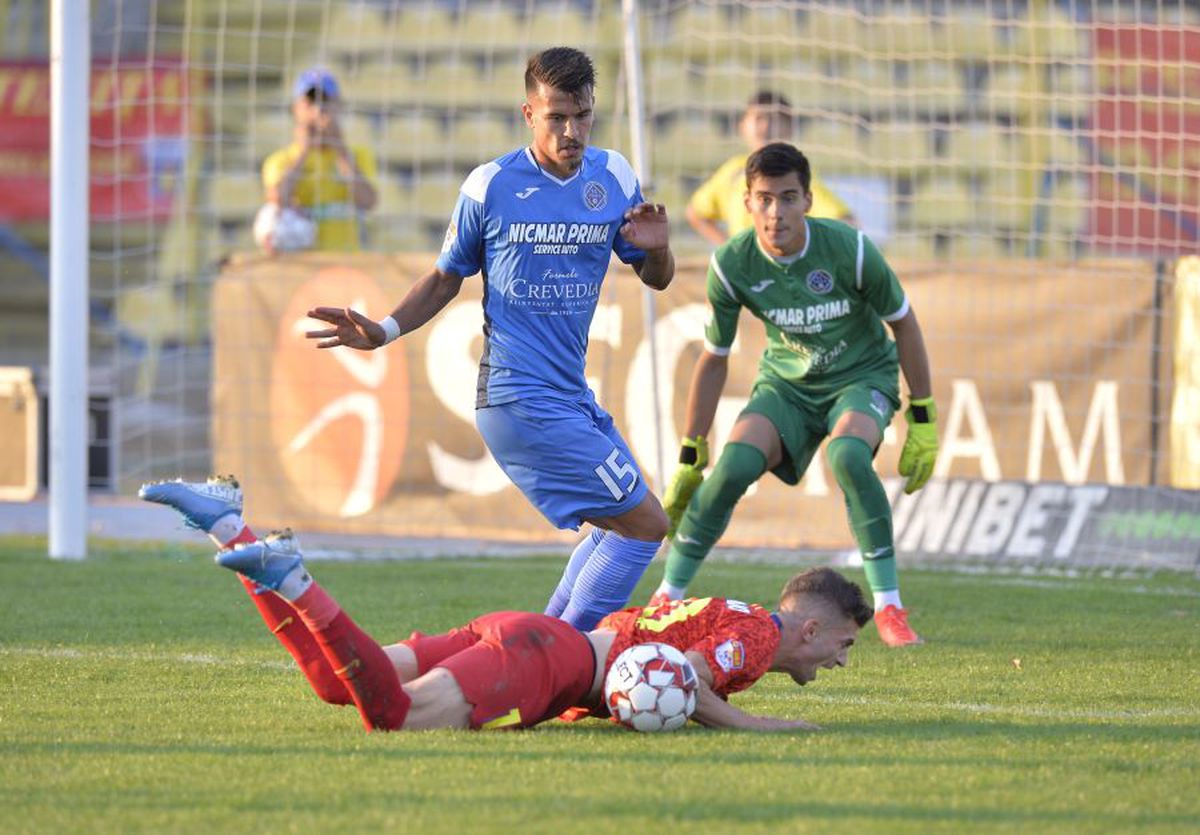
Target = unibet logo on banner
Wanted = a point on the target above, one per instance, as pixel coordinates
(339, 418)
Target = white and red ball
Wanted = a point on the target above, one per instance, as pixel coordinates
(651, 687)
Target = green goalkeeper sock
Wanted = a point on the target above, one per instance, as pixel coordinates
(869, 513)
(707, 515)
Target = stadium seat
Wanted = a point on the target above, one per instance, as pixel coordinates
(1057, 37)
(899, 36)
(356, 28)
(488, 27)
(975, 246)
(915, 246)
(412, 137)
(1071, 90)
(549, 25)
(434, 193)
(701, 32)
(770, 31)
(421, 26)
(832, 31)
(476, 137)
(400, 232)
(943, 202)
(502, 80)
(727, 84)
(668, 85)
(1007, 200)
(932, 88)
(235, 196)
(692, 144)
(979, 147)
(967, 33)
(1010, 91)
(870, 86)
(899, 148)
(452, 82)
(1070, 206)
(394, 196)
(833, 145)
(810, 85)
(269, 130)
(376, 86)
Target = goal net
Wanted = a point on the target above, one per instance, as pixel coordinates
(985, 147)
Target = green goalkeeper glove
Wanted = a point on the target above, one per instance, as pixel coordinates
(921, 446)
(693, 458)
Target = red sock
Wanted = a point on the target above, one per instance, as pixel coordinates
(286, 625)
(356, 659)
(246, 535)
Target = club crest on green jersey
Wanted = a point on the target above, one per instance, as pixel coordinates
(819, 281)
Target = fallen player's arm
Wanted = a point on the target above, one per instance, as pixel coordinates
(714, 712)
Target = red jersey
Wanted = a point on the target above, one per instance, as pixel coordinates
(738, 640)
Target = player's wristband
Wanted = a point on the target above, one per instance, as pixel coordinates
(923, 410)
(391, 330)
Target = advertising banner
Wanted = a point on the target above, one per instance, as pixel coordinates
(1146, 131)
(139, 137)
(1050, 389)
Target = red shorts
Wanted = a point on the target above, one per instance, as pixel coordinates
(516, 668)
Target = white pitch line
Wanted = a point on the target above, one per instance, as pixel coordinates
(199, 659)
(1013, 710)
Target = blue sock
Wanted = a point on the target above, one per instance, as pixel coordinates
(608, 578)
(562, 594)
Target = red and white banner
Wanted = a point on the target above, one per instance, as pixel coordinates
(1146, 129)
(140, 122)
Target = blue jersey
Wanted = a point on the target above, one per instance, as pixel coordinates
(543, 245)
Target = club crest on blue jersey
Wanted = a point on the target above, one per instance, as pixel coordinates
(595, 196)
(819, 281)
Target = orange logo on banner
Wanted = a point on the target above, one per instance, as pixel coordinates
(339, 417)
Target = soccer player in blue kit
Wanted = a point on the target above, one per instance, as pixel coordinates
(540, 223)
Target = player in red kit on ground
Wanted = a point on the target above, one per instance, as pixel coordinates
(518, 669)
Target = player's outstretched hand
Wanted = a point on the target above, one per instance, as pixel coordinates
(646, 226)
(921, 446)
(350, 328)
(693, 458)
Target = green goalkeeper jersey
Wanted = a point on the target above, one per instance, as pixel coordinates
(823, 308)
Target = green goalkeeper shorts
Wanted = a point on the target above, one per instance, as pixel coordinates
(804, 418)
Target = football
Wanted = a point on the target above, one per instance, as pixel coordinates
(283, 230)
(651, 687)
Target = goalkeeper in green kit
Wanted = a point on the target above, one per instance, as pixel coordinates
(823, 292)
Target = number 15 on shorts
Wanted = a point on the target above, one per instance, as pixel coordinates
(613, 471)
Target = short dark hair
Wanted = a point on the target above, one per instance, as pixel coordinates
(769, 98)
(825, 583)
(561, 68)
(778, 159)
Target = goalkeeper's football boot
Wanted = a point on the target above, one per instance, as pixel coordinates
(201, 503)
(892, 623)
(265, 561)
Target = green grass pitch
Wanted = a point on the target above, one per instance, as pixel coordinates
(139, 693)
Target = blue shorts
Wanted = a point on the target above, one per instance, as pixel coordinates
(566, 456)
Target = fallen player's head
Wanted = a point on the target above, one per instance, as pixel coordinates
(821, 612)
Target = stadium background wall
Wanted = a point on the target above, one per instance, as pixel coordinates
(386, 442)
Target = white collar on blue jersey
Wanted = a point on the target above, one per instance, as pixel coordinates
(795, 256)
(547, 174)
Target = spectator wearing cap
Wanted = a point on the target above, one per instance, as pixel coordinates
(717, 210)
(318, 174)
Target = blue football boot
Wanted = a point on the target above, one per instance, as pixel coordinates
(201, 503)
(265, 561)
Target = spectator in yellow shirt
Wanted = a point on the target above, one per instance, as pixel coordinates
(717, 210)
(318, 174)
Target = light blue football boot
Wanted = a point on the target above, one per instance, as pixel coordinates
(201, 503)
(265, 561)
